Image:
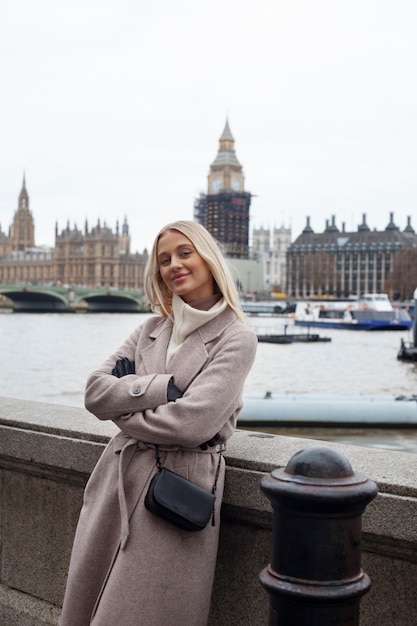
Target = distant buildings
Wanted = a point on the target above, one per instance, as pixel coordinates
(335, 263)
(96, 257)
(340, 264)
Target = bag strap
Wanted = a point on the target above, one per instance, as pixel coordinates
(158, 458)
(160, 466)
(217, 473)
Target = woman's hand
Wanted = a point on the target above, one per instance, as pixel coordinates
(123, 367)
(173, 393)
(211, 442)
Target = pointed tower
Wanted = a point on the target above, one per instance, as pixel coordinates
(124, 238)
(22, 230)
(224, 211)
(226, 172)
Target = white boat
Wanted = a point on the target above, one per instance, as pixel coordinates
(372, 311)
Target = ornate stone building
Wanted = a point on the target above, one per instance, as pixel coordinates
(96, 257)
(224, 210)
(338, 263)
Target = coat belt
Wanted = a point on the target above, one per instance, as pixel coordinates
(124, 515)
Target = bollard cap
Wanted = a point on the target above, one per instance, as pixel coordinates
(318, 478)
(319, 465)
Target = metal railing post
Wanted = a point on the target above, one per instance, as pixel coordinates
(315, 576)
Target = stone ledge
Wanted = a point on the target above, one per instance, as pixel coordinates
(394, 472)
(45, 449)
(64, 443)
(55, 419)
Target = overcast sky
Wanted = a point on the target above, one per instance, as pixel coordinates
(115, 108)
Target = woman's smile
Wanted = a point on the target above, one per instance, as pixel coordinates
(178, 277)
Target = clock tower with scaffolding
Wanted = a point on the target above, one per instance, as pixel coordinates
(224, 210)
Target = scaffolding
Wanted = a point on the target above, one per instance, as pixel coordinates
(226, 217)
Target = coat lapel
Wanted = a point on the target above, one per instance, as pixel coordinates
(188, 360)
(153, 353)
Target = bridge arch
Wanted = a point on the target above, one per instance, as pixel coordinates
(35, 299)
(107, 301)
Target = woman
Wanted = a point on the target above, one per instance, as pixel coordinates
(174, 386)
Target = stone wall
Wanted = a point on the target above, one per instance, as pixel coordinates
(47, 453)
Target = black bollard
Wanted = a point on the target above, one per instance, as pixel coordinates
(315, 577)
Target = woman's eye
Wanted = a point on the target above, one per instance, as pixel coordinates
(164, 262)
(186, 253)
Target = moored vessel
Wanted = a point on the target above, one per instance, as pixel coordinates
(372, 311)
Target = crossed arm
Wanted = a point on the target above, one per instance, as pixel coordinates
(139, 404)
(124, 367)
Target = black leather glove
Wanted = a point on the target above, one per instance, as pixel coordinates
(123, 367)
(211, 442)
(173, 393)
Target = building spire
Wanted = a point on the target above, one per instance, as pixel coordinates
(227, 134)
(23, 196)
(23, 227)
(226, 155)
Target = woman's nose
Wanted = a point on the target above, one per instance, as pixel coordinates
(175, 261)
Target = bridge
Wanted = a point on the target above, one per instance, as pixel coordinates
(27, 298)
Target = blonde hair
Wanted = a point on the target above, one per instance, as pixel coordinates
(158, 293)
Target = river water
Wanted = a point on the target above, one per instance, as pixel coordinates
(47, 357)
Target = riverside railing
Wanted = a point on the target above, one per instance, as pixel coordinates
(47, 453)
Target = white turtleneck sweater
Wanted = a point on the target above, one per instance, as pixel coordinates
(187, 319)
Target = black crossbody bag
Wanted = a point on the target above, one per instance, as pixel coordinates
(180, 501)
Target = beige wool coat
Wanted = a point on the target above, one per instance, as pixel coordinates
(128, 567)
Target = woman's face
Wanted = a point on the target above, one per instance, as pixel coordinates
(182, 269)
